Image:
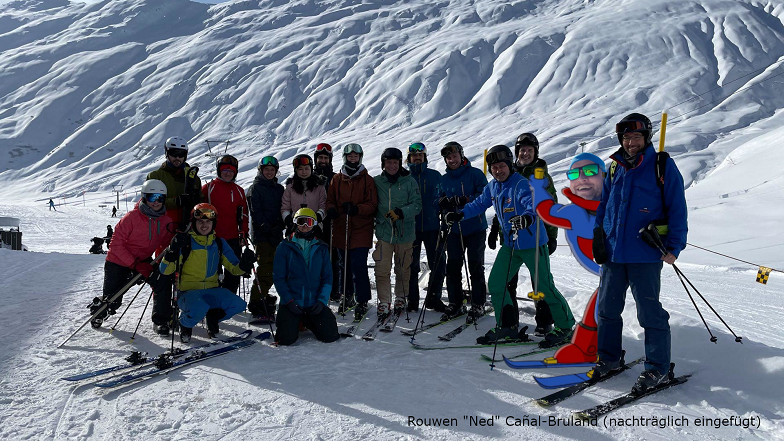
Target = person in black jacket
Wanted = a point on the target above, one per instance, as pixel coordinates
(323, 158)
(264, 202)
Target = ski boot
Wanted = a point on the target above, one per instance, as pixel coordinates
(94, 306)
(502, 335)
(604, 368)
(185, 334)
(360, 310)
(474, 314)
(213, 317)
(556, 337)
(383, 311)
(346, 304)
(651, 378)
(452, 310)
(543, 330)
(160, 329)
(400, 305)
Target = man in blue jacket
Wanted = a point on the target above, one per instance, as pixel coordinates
(460, 185)
(427, 232)
(303, 278)
(632, 200)
(510, 196)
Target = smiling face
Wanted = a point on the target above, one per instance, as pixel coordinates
(227, 174)
(391, 166)
(500, 171)
(633, 143)
(352, 157)
(587, 187)
(156, 206)
(204, 226)
(269, 172)
(304, 171)
(453, 160)
(416, 158)
(322, 160)
(526, 155)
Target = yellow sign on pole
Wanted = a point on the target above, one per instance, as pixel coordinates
(485, 166)
(662, 131)
(763, 274)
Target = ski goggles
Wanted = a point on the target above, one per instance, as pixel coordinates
(269, 160)
(630, 126)
(177, 153)
(417, 147)
(302, 160)
(155, 197)
(352, 148)
(205, 213)
(324, 147)
(449, 149)
(306, 220)
(228, 160)
(588, 170)
(496, 157)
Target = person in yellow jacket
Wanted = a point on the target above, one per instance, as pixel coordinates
(199, 253)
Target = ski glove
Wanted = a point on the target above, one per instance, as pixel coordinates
(247, 260)
(459, 201)
(144, 268)
(444, 203)
(453, 217)
(294, 308)
(552, 244)
(492, 239)
(316, 308)
(181, 242)
(521, 222)
(350, 209)
(332, 213)
(289, 221)
(395, 215)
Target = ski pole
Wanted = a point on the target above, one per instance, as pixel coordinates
(126, 309)
(133, 336)
(421, 320)
(258, 286)
(342, 307)
(513, 239)
(465, 267)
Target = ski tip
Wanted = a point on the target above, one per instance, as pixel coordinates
(263, 336)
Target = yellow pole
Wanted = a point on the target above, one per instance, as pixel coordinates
(662, 131)
(485, 165)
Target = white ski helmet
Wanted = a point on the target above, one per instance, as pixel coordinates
(175, 142)
(153, 186)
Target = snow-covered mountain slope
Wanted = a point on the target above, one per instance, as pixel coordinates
(88, 91)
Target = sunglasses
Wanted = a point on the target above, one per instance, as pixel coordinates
(416, 147)
(177, 153)
(269, 160)
(305, 220)
(324, 147)
(496, 157)
(302, 160)
(588, 170)
(205, 213)
(155, 197)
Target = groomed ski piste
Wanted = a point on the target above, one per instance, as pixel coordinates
(89, 91)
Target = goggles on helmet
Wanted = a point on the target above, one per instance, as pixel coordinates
(205, 213)
(228, 160)
(324, 147)
(269, 160)
(155, 197)
(630, 126)
(306, 220)
(588, 170)
(302, 160)
(416, 147)
(501, 156)
(177, 153)
(352, 148)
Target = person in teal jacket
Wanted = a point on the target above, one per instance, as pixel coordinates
(302, 273)
(398, 204)
(510, 196)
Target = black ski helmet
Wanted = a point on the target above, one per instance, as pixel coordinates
(452, 147)
(227, 160)
(391, 153)
(634, 122)
(500, 153)
(300, 160)
(323, 149)
(527, 139)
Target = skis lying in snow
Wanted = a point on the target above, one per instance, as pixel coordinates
(570, 391)
(165, 364)
(522, 354)
(352, 327)
(137, 359)
(507, 343)
(568, 380)
(410, 332)
(389, 326)
(371, 333)
(543, 364)
(609, 406)
(455, 332)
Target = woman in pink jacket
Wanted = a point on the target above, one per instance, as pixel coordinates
(138, 234)
(303, 190)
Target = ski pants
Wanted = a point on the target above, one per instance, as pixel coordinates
(474, 252)
(502, 272)
(645, 282)
(435, 282)
(383, 256)
(230, 281)
(265, 256)
(358, 280)
(324, 326)
(195, 303)
(116, 276)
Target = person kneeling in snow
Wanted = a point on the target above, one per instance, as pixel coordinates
(302, 273)
(199, 252)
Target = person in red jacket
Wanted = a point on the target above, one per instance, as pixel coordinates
(140, 232)
(229, 200)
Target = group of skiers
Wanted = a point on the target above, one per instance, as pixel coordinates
(311, 240)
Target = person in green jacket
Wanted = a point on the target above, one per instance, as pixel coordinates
(526, 161)
(398, 204)
(184, 187)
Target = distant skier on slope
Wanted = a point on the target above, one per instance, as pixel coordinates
(140, 232)
(199, 252)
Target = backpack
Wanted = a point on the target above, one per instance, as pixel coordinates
(659, 168)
